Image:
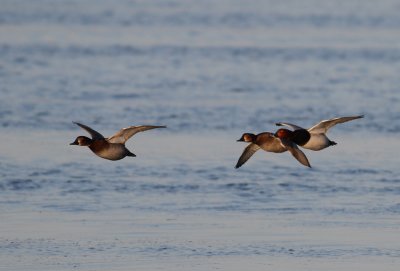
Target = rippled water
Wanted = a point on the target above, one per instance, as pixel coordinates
(209, 70)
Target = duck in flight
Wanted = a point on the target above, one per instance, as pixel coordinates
(313, 138)
(111, 148)
(269, 143)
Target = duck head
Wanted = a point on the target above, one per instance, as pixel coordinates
(247, 137)
(283, 133)
(82, 141)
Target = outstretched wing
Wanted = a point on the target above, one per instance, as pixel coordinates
(247, 153)
(324, 125)
(125, 133)
(296, 152)
(95, 135)
(292, 126)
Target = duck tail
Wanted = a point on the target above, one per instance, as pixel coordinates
(130, 154)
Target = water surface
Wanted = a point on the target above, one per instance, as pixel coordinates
(209, 71)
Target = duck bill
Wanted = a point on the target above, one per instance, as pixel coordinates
(73, 143)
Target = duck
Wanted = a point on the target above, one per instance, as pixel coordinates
(270, 143)
(111, 148)
(314, 138)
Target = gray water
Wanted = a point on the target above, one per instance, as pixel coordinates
(209, 70)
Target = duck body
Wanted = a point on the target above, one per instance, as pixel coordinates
(318, 142)
(269, 143)
(110, 151)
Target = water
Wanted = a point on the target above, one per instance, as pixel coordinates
(209, 71)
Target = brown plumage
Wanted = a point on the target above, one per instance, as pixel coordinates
(112, 148)
(269, 143)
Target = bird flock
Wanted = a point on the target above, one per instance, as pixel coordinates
(314, 138)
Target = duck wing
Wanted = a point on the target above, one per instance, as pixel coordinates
(296, 152)
(95, 135)
(125, 133)
(292, 126)
(324, 125)
(247, 153)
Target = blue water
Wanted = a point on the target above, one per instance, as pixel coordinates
(209, 70)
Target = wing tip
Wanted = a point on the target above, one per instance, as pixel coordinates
(306, 163)
(156, 126)
(77, 123)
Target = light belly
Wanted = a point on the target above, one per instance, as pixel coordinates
(317, 142)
